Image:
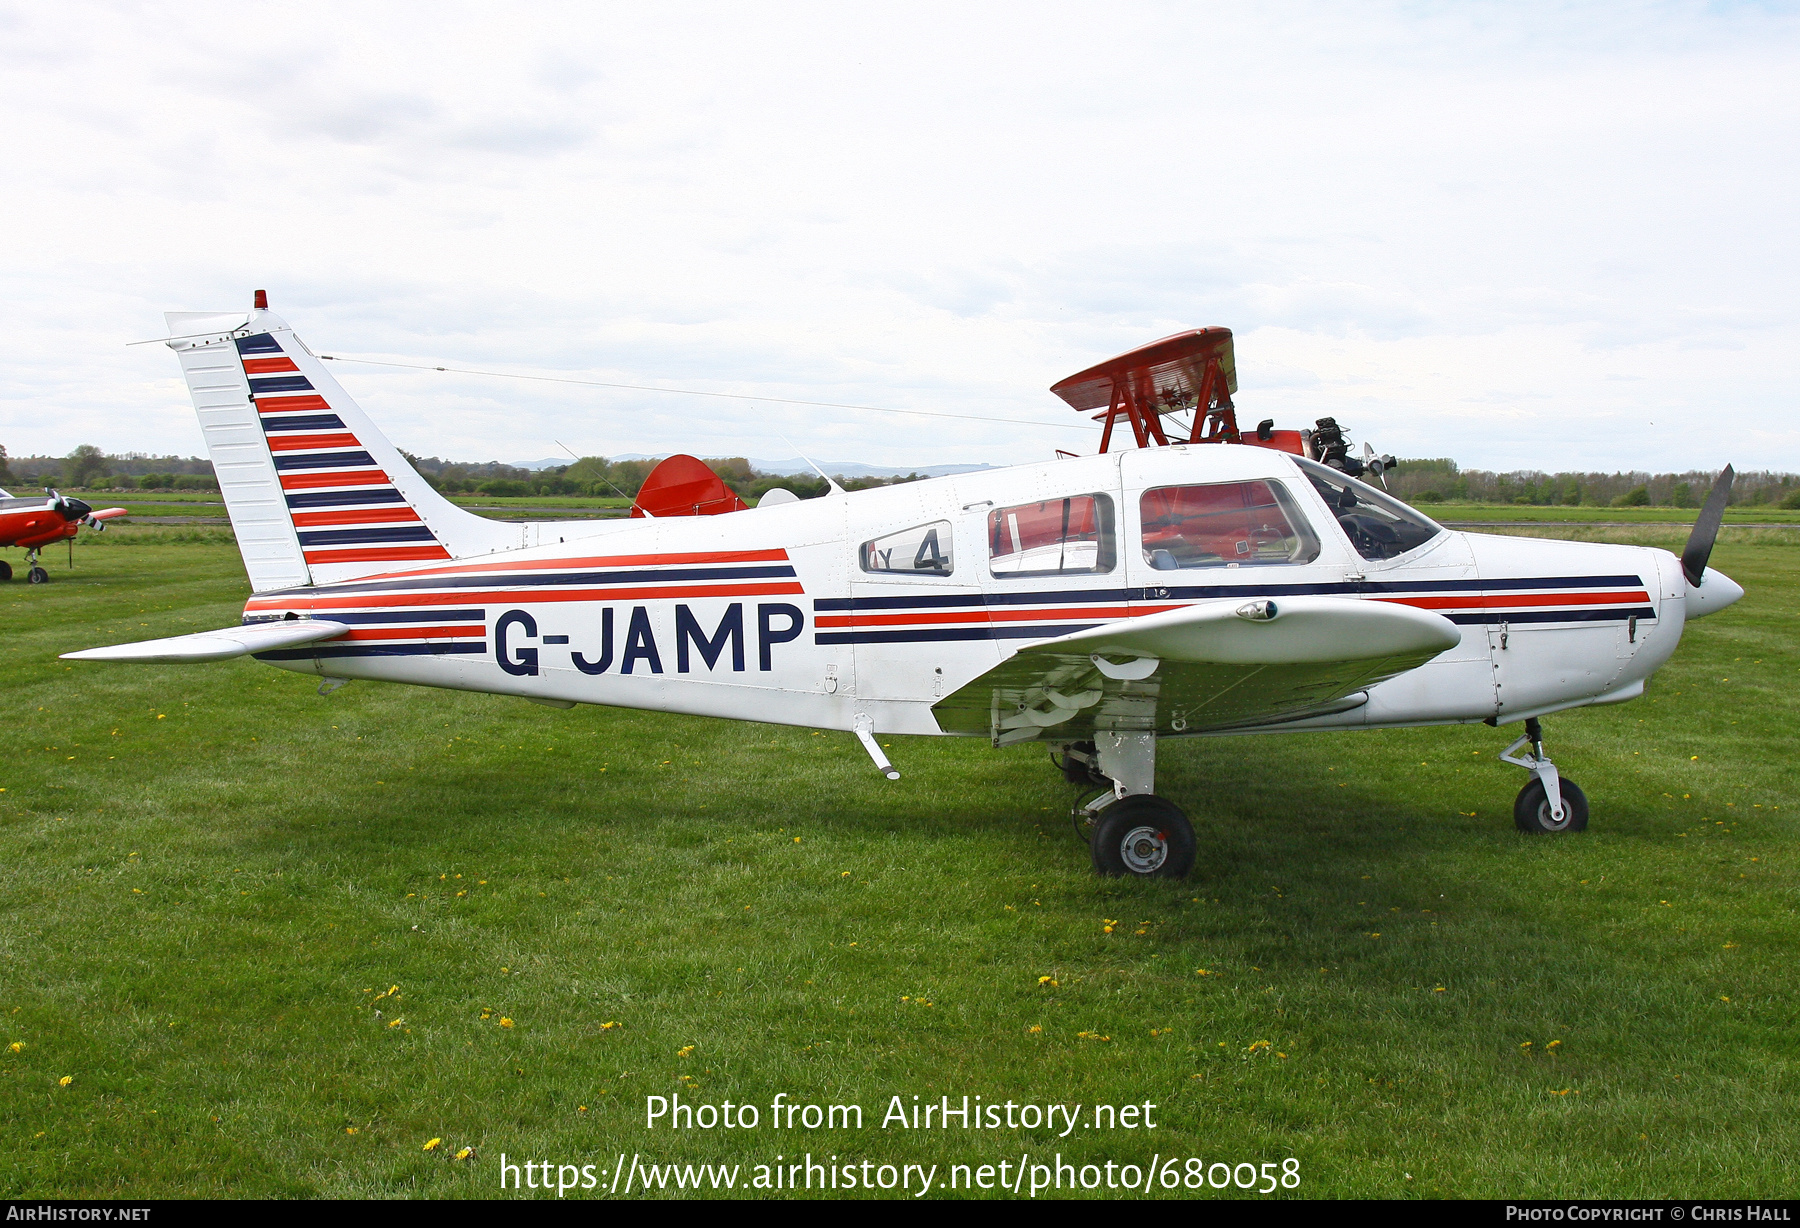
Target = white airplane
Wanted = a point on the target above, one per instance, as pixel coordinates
(1221, 583)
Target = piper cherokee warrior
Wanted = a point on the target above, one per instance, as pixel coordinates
(1205, 582)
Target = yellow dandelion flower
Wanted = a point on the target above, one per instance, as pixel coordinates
(687, 1050)
(1034, 1029)
(845, 874)
(465, 1153)
(65, 1080)
(1046, 980)
(796, 839)
(18, 1046)
(505, 1022)
(1525, 1044)
(1440, 989)
(610, 1023)
(1106, 929)
(1553, 1044)
(432, 1145)
(351, 1130)
(396, 1021)
(1256, 1045)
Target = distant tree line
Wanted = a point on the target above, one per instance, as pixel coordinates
(1441, 480)
(596, 475)
(89, 468)
(1426, 481)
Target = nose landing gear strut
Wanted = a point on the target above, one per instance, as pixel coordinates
(1550, 802)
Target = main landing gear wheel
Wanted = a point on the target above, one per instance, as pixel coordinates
(1531, 810)
(37, 575)
(5, 571)
(1143, 836)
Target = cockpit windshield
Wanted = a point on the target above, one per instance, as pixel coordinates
(1378, 525)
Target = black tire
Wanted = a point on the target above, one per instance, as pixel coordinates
(1143, 836)
(37, 575)
(5, 571)
(1531, 810)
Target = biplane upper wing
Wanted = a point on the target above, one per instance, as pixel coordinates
(1217, 665)
(1170, 373)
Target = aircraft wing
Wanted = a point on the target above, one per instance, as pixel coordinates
(220, 645)
(1216, 665)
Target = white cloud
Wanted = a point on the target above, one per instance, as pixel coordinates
(1514, 234)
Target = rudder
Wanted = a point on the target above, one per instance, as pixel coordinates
(315, 491)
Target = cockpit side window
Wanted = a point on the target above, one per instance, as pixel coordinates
(1058, 537)
(1378, 526)
(1224, 524)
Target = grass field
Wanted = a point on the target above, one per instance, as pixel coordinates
(210, 877)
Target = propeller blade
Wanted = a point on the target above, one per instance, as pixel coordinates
(1706, 529)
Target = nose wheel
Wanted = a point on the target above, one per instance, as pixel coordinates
(1532, 812)
(1551, 803)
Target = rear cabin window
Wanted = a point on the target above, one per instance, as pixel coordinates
(924, 551)
(1378, 526)
(1224, 524)
(1058, 537)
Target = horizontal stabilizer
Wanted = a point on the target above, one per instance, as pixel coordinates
(220, 645)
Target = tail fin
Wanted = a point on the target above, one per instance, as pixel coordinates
(315, 492)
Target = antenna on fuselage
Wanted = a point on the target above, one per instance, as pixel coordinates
(578, 460)
(829, 480)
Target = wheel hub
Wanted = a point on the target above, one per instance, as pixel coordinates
(1143, 850)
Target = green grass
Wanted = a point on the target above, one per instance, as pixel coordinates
(211, 872)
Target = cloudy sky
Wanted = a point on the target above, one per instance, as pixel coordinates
(1523, 235)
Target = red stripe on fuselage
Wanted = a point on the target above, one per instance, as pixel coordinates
(376, 555)
(467, 631)
(617, 560)
(522, 597)
(947, 617)
(1518, 600)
